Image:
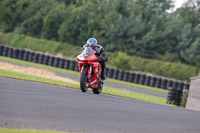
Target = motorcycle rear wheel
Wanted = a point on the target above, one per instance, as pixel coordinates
(84, 81)
(98, 89)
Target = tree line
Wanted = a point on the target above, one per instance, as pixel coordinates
(144, 28)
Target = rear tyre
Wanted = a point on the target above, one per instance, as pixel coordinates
(98, 89)
(84, 81)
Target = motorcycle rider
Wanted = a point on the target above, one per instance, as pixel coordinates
(100, 53)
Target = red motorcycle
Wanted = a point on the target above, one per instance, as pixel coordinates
(90, 70)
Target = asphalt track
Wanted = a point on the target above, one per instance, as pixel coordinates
(32, 105)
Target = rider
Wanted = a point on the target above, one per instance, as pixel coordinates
(100, 52)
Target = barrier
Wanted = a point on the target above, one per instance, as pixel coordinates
(26, 54)
(15, 53)
(66, 64)
(153, 81)
(164, 83)
(61, 63)
(131, 77)
(147, 80)
(72, 65)
(126, 75)
(5, 51)
(175, 84)
(179, 93)
(1, 49)
(170, 83)
(76, 66)
(56, 61)
(36, 57)
(46, 60)
(10, 52)
(31, 56)
(158, 83)
(142, 79)
(137, 77)
(120, 74)
(110, 72)
(181, 86)
(175, 93)
(21, 54)
(115, 74)
(172, 96)
(51, 60)
(186, 86)
(41, 58)
(106, 71)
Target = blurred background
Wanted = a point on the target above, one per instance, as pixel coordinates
(161, 37)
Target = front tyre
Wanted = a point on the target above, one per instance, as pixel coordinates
(84, 81)
(98, 89)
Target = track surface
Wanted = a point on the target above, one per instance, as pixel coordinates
(33, 105)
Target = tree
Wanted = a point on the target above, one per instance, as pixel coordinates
(33, 25)
(183, 36)
(79, 24)
(53, 20)
(7, 16)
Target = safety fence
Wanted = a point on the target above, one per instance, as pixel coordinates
(174, 86)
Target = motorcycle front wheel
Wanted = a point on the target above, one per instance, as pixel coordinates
(84, 81)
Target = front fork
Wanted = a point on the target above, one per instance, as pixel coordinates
(89, 71)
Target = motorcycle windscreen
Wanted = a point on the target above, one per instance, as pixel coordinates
(87, 52)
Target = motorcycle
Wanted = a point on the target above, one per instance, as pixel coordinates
(90, 70)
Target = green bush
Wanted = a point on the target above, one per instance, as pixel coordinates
(167, 69)
(52, 47)
(121, 60)
(174, 70)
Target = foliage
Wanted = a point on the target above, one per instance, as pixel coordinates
(42, 45)
(121, 60)
(167, 69)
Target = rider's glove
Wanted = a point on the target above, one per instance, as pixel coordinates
(103, 57)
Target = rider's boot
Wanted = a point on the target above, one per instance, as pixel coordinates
(103, 76)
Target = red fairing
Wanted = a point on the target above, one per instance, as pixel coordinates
(92, 65)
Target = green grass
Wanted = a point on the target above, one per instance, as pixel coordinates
(6, 130)
(6, 59)
(137, 86)
(106, 89)
(26, 63)
(27, 77)
(133, 95)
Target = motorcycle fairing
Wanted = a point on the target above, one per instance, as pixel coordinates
(90, 60)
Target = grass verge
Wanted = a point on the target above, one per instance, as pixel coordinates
(137, 86)
(106, 89)
(78, 74)
(6, 130)
(27, 77)
(31, 64)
